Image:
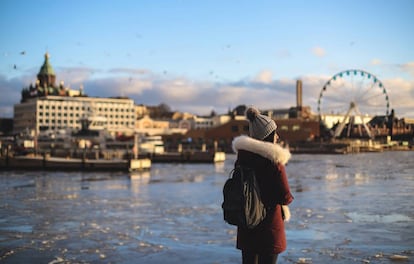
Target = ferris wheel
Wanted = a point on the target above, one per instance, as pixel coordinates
(351, 95)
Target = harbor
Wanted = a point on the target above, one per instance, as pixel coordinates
(347, 209)
(117, 123)
(56, 127)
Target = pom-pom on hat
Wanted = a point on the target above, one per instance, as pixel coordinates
(260, 126)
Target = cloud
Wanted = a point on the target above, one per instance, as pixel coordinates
(129, 71)
(376, 62)
(201, 97)
(311, 88)
(179, 90)
(264, 77)
(408, 67)
(11, 94)
(73, 77)
(112, 87)
(400, 92)
(318, 51)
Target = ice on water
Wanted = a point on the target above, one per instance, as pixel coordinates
(347, 209)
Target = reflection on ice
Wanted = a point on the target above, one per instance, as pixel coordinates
(369, 218)
(18, 229)
(140, 176)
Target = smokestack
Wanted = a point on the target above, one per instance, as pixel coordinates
(299, 94)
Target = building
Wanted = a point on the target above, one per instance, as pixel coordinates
(196, 122)
(291, 131)
(46, 106)
(148, 126)
(6, 126)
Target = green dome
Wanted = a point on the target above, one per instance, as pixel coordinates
(46, 68)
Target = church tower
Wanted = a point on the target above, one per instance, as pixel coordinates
(46, 75)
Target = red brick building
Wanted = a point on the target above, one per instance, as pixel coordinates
(291, 131)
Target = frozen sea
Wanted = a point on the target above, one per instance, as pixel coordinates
(348, 209)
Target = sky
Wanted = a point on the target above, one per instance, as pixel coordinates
(200, 56)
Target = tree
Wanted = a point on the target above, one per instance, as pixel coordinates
(164, 108)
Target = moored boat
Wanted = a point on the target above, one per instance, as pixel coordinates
(46, 162)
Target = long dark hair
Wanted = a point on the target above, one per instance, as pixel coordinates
(270, 137)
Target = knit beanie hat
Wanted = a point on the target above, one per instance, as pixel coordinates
(260, 126)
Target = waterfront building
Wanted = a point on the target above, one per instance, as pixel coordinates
(291, 131)
(149, 126)
(47, 106)
(141, 111)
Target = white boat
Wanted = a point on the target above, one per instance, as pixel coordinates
(151, 145)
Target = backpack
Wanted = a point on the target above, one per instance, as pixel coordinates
(242, 205)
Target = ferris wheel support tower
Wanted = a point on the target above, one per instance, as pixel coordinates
(352, 107)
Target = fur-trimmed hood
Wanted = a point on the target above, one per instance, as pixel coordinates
(268, 150)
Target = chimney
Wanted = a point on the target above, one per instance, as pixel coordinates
(299, 94)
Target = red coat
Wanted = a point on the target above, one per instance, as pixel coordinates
(268, 161)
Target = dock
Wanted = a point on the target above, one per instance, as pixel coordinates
(188, 157)
(45, 162)
(346, 147)
(108, 163)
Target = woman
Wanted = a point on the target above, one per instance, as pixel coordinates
(262, 244)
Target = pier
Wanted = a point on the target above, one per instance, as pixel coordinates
(347, 146)
(46, 162)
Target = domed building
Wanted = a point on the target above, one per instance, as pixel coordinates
(45, 106)
(46, 84)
